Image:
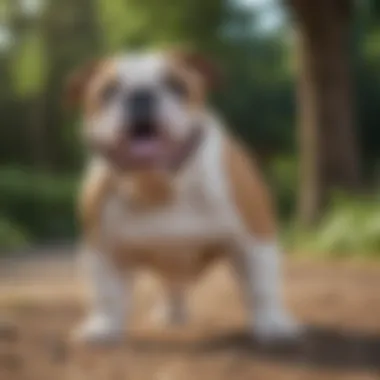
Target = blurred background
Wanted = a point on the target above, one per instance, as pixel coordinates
(302, 87)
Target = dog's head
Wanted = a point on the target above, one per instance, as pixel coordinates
(143, 110)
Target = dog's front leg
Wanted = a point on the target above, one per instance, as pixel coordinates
(110, 302)
(258, 267)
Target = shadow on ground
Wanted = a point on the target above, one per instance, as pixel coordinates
(319, 347)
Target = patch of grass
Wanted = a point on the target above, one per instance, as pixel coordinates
(349, 228)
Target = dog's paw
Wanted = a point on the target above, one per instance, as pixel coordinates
(274, 327)
(98, 330)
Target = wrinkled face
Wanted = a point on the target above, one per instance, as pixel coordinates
(141, 110)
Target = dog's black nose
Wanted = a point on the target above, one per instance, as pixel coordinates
(141, 105)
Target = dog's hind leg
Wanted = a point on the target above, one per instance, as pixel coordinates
(172, 308)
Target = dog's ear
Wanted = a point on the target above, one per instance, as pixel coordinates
(77, 82)
(205, 66)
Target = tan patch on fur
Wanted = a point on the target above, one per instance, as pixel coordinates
(96, 186)
(192, 79)
(203, 66)
(77, 82)
(174, 264)
(83, 84)
(105, 74)
(147, 188)
(249, 191)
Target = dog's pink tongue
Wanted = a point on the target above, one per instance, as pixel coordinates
(144, 149)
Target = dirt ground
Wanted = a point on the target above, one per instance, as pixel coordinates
(41, 300)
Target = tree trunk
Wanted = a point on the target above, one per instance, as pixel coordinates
(328, 149)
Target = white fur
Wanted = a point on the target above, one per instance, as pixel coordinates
(110, 301)
(134, 72)
(203, 212)
(258, 267)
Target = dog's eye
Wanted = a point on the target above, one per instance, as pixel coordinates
(109, 92)
(176, 86)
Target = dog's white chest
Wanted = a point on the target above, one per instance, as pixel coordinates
(185, 222)
(199, 216)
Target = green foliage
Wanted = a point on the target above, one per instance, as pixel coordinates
(28, 70)
(366, 55)
(41, 204)
(12, 236)
(282, 174)
(350, 227)
(116, 25)
(257, 102)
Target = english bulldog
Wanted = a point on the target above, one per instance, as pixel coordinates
(168, 188)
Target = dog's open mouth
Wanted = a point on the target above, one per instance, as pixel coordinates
(146, 144)
(143, 147)
(146, 148)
